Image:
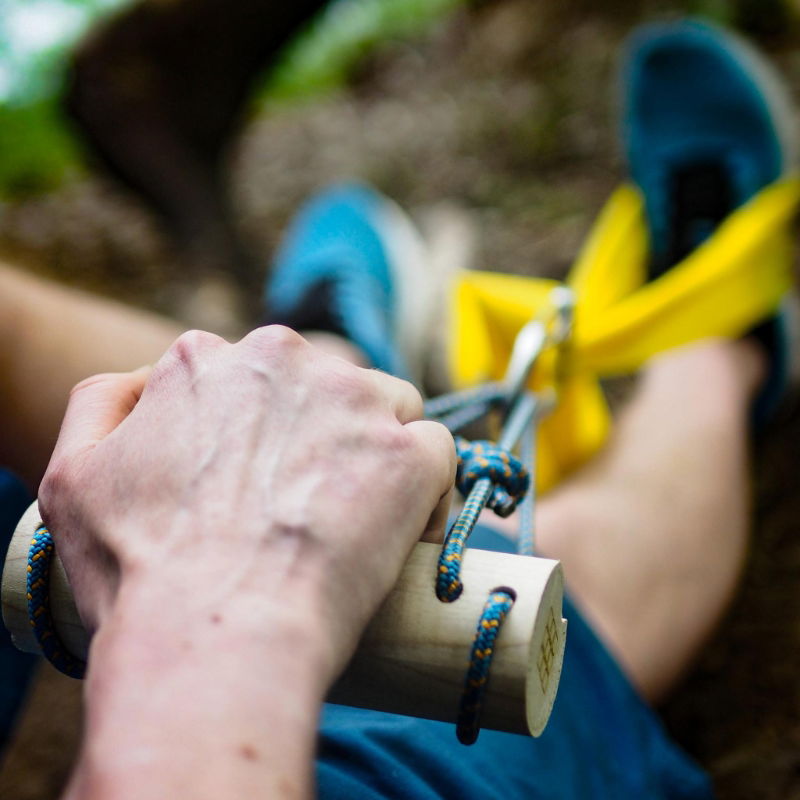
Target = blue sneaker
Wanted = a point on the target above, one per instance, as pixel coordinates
(707, 123)
(353, 264)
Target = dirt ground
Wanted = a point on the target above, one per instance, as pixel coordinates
(506, 110)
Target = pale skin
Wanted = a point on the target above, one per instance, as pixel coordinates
(652, 535)
(302, 447)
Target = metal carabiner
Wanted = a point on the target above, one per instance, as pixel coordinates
(549, 327)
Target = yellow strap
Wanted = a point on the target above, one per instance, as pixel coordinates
(727, 285)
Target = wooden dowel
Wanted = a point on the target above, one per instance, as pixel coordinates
(414, 654)
(14, 594)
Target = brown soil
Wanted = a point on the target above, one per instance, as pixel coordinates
(506, 110)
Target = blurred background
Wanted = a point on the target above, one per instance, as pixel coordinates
(153, 151)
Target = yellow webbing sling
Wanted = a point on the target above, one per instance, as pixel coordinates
(735, 279)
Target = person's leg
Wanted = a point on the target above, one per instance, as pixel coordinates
(55, 337)
(653, 533)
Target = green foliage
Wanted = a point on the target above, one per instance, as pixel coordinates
(36, 150)
(322, 57)
(720, 11)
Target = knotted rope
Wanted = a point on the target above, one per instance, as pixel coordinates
(488, 476)
(38, 588)
(483, 459)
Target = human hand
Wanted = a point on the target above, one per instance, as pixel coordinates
(232, 477)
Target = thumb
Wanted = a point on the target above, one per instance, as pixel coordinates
(96, 407)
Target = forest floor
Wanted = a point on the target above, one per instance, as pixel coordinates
(506, 109)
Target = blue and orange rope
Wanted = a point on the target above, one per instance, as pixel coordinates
(40, 556)
(488, 476)
(480, 660)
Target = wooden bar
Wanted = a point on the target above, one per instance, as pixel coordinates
(414, 654)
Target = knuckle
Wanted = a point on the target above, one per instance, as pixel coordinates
(414, 398)
(397, 441)
(446, 447)
(57, 483)
(190, 344)
(438, 437)
(184, 356)
(413, 393)
(274, 338)
(434, 450)
(271, 348)
(441, 437)
(355, 387)
(347, 385)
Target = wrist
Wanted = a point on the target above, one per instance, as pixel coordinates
(235, 686)
(151, 632)
(202, 582)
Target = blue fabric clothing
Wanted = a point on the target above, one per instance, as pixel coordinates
(602, 742)
(16, 668)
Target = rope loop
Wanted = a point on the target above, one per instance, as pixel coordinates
(498, 605)
(485, 459)
(40, 556)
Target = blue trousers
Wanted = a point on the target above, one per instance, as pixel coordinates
(16, 668)
(602, 743)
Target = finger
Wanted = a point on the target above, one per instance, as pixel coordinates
(437, 460)
(404, 399)
(97, 406)
(436, 528)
